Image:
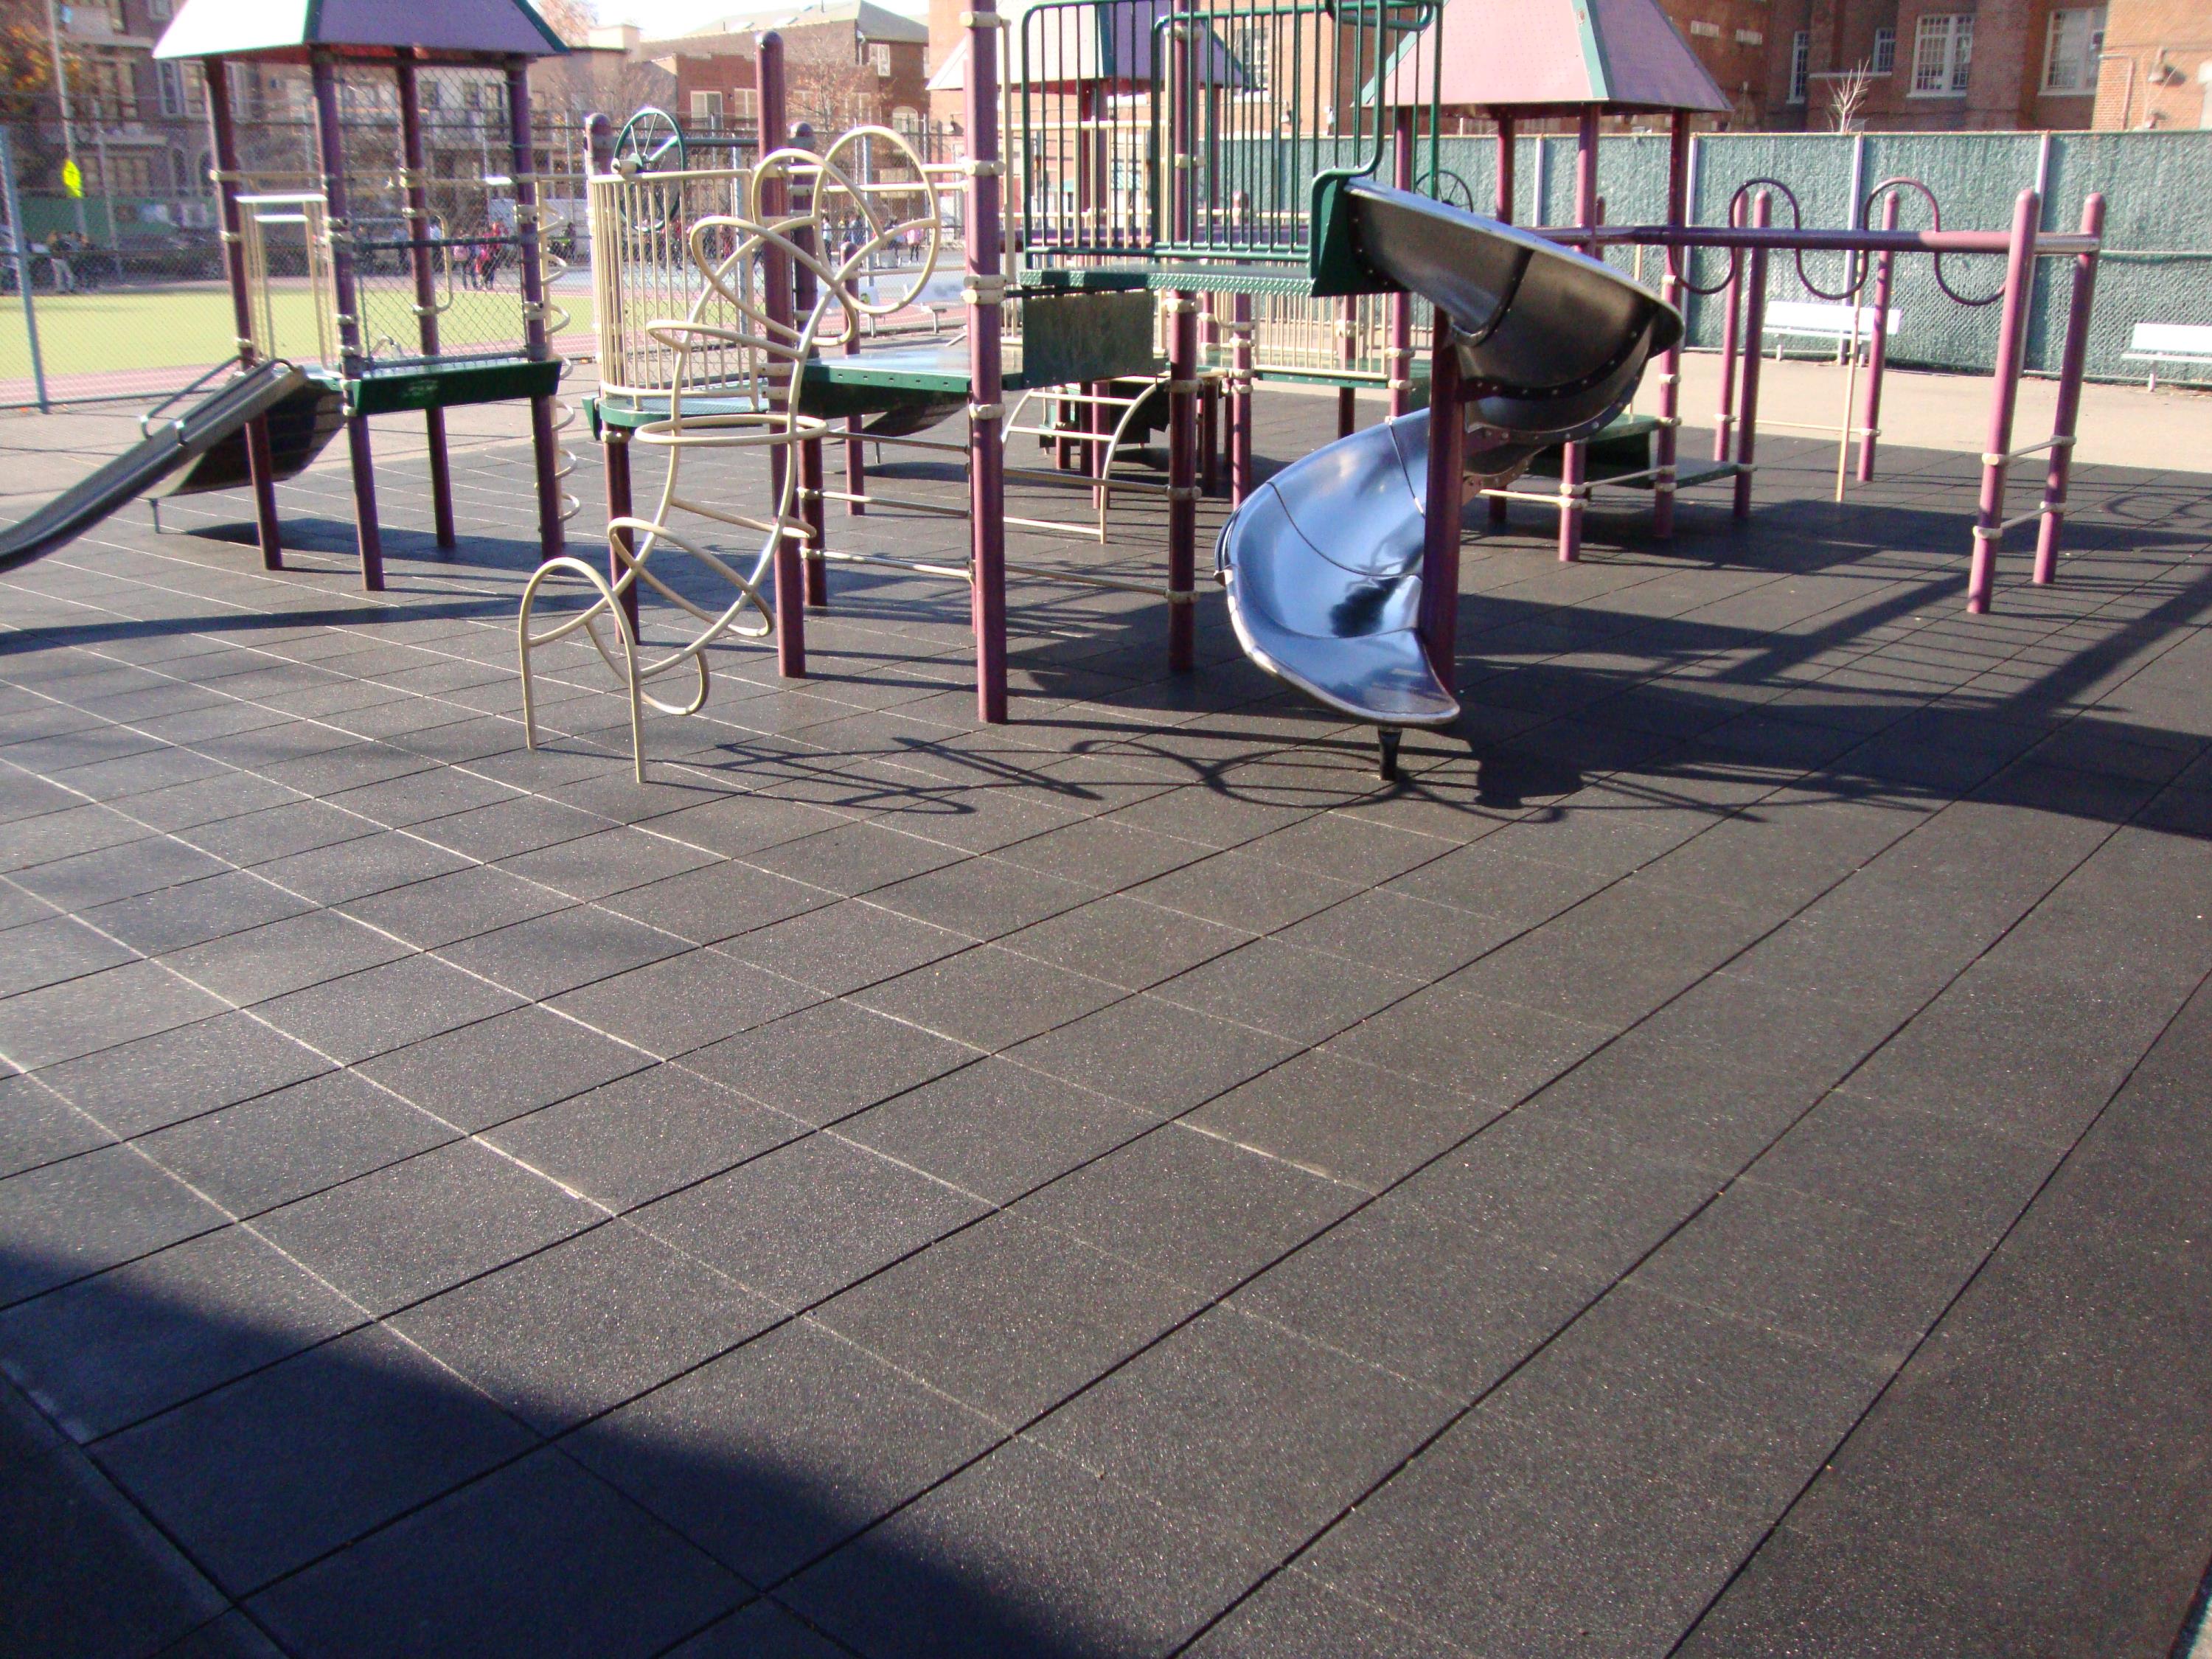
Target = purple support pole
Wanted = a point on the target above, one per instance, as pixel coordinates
(535, 346)
(1182, 364)
(1209, 408)
(986, 273)
(1885, 282)
(812, 508)
(2072, 365)
(776, 301)
(1401, 303)
(1440, 529)
(416, 185)
(2004, 389)
(1754, 326)
(600, 135)
(1574, 460)
(1502, 210)
(260, 466)
(1731, 310)
(1667, 444)
(331, 149)
(1240, 398)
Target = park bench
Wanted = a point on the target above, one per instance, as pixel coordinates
(2169, 342)
(1836, 325)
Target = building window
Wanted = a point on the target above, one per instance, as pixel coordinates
(161, 10)
(1705, 31)
(1247, 45)
(110, 90)
(1801, 63)
(707, 109)
(2070, 59)
(1884, 60)
(880, 56)
(748, 103)
(1749, 38)
(906, 121)
(1942, 54)
(170, 76)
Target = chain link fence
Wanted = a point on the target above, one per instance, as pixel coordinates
(127, 295)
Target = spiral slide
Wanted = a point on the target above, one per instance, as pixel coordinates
(1323, 562)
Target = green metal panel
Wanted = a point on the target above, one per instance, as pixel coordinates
(1086, 337)
(447, 385)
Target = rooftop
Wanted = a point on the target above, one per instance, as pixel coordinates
(1712, 1164)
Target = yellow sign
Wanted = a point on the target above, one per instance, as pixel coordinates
(72, 179)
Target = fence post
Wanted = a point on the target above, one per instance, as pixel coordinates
(1754, 321)
(984, 290)
(260, 463)
(1885, 282)
(19, 246)
(414, 190)
(781, 313)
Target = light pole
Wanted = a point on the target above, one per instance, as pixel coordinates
(61, 93)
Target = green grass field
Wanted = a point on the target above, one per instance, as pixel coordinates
(188, 325)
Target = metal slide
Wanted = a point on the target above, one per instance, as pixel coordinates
(1323, 562)
(138, 470)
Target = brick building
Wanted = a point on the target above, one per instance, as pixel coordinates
(2156, 59)
(850, 62)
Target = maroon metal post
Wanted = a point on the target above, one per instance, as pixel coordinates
(1209, 405)
(1667, 444)
(776, 301)
(1731, 310)
(329, 146)
(1885, 280)
(1440, 529)
(804, 292)
(985, 294)
(1502, 210)
(535, 344)
(1240, 398)
(1574, 458)
(1754, 327)
(600, 140)
(1401, 303)
(2072, 363)
(260, 465)
(415, 183)
(2004, 389)
(1182, 358)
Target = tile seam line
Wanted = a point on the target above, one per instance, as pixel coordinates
(1843, 1440)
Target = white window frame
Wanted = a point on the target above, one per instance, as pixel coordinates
(707, 106)
(1800, 65)
(169, 87)
(2082, 60)
(748, 103)
(1884, 56)
(879, 55)
(1942, 54)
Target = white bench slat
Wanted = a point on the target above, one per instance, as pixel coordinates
(1827, 322)
(2176, 342)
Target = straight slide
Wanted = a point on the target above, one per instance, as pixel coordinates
(220, 415)
(1323, 562)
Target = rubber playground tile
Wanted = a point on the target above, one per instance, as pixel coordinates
(446, 909)
(646, 1134)
(287, 955)
(122, 1345)
(1191, 1208)
(522, 823)
(50, 951)
(1498, 1052)
(807, 1219)
(989, 998)
(827, 1062)
(357, 866)
(558, 951)
(414, 1229)
(1292, 1614)
(577, 1329)
(73, 831)
(1024, 1552)
(178, 918)
(1380, 928)
(97, 1010)
(1008, 1317)
(844, 946)
(1239, 888)
(1124, 941)
(983, 897)
(262, 838)
(136, 1087)
(269, 1151)
(501, 1067)
(717, 902)
(87, 879)
(853, 857)
(261, 1477)
(771, 1456)
(1300, 995)
(380, 1008)
(761, 1629)
(38, 1127)
(995, 1128)
(685, 1002)
(1154, 1055)
(738, 826)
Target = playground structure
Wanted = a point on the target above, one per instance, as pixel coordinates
(365, 367)
(1237, 153)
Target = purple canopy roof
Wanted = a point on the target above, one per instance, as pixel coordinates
(286, 29)
(1559, 54)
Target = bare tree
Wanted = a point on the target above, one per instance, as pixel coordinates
(832, 85)
(1847, 95)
